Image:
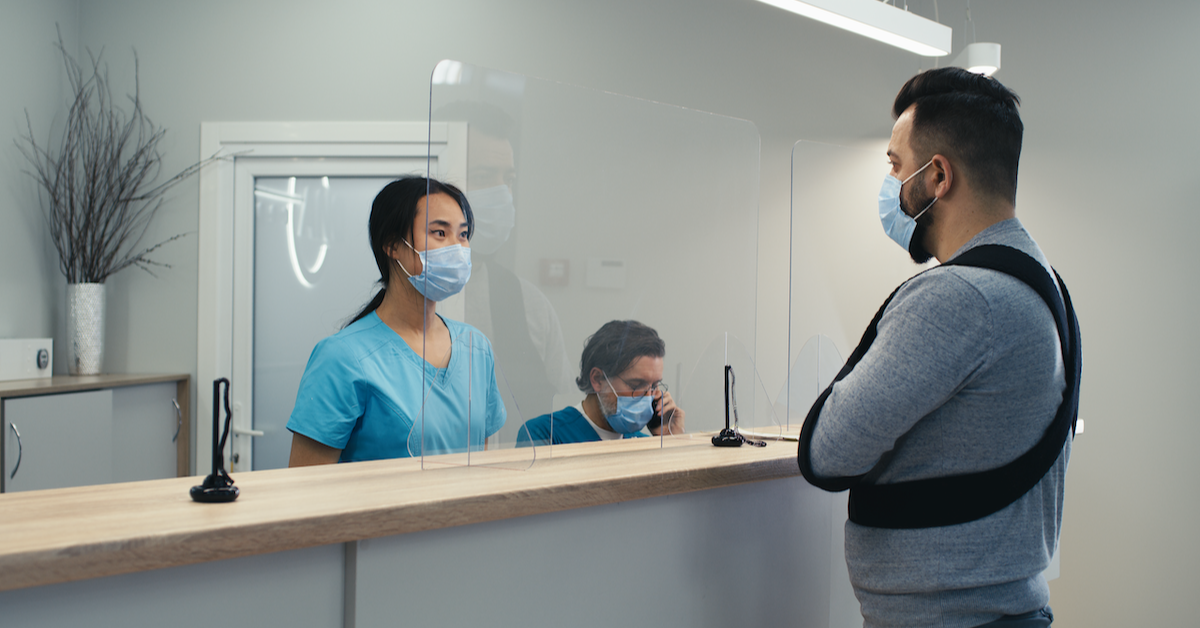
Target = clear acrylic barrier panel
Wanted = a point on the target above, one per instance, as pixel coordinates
(813, 370)
(705, 393)
(592, 207)
(463, 408)
(843, 264)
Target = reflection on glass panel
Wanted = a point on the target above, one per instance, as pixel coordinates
(843, 265)
(813, 370)
(592, 207)
(313, 269)
(462, 407)
(704, 393)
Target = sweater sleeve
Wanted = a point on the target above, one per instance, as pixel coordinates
(932, 338)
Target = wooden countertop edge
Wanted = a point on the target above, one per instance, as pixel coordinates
(259, 522)
(75, 383)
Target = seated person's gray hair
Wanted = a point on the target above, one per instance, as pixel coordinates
(614, 347)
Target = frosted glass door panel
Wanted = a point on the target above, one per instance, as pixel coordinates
(313, 270)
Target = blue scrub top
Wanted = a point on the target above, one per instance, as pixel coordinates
(570, 426)
(361, 392)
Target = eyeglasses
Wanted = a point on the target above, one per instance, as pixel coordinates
(644, 389)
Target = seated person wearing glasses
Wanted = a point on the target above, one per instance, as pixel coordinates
(621, 372)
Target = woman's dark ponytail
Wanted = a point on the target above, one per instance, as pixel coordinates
(368, 308)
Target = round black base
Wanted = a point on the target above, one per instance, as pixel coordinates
(728, 438)
(214, 495)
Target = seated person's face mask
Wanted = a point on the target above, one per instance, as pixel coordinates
(444, 271)
(631, 413)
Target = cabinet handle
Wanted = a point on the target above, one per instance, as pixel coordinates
(20, 450)
(178, 420)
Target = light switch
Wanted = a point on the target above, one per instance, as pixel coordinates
(554, 273)
(606, 273)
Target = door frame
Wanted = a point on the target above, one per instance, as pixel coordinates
(244, 143)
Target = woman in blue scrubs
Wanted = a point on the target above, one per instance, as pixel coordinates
(399, 380)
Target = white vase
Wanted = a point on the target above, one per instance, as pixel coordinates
(85, 328)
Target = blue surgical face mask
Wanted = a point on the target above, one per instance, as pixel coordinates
(898, 225)
(495, 216)
(632, 413)
(444, 271)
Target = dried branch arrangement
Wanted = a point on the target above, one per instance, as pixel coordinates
(97, 181)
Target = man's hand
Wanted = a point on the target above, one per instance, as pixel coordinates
(672, 415)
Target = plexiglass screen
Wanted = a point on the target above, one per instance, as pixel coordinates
(590, 208)
(843, 264)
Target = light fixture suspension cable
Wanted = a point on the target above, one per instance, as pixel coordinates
(971, 22)
(937, 18)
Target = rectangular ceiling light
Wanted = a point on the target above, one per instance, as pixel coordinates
(877, 20)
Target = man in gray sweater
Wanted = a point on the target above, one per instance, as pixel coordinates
(963, 371)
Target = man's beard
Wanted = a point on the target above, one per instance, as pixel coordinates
(606, 409)
(916, 247)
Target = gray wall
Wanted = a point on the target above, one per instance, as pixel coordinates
(31, 287)
(1111, 136)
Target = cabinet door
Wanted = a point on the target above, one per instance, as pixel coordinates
(144, 431)
(65, 440)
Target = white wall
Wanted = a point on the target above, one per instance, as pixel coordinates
(1111, 134)
(1110, 141)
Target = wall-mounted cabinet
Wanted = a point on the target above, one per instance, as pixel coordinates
(78, 431)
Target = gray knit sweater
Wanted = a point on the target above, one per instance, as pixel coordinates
(965, 375)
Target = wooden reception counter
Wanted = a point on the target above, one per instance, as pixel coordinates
(62, 535)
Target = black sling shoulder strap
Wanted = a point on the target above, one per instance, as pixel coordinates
(952, 500)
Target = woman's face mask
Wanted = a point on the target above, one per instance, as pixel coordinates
(444, 271)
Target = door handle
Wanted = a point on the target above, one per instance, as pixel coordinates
(178, 419)
(241, 431)
(20, 450)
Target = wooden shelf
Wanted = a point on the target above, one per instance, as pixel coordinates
(76, 383)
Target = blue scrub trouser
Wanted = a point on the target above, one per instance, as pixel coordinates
(1040, 618)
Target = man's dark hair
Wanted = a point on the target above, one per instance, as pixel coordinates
(614, 347)
(972, 120)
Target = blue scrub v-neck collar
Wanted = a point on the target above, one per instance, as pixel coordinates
(438, 375)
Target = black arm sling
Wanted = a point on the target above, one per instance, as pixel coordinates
(951, 500)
